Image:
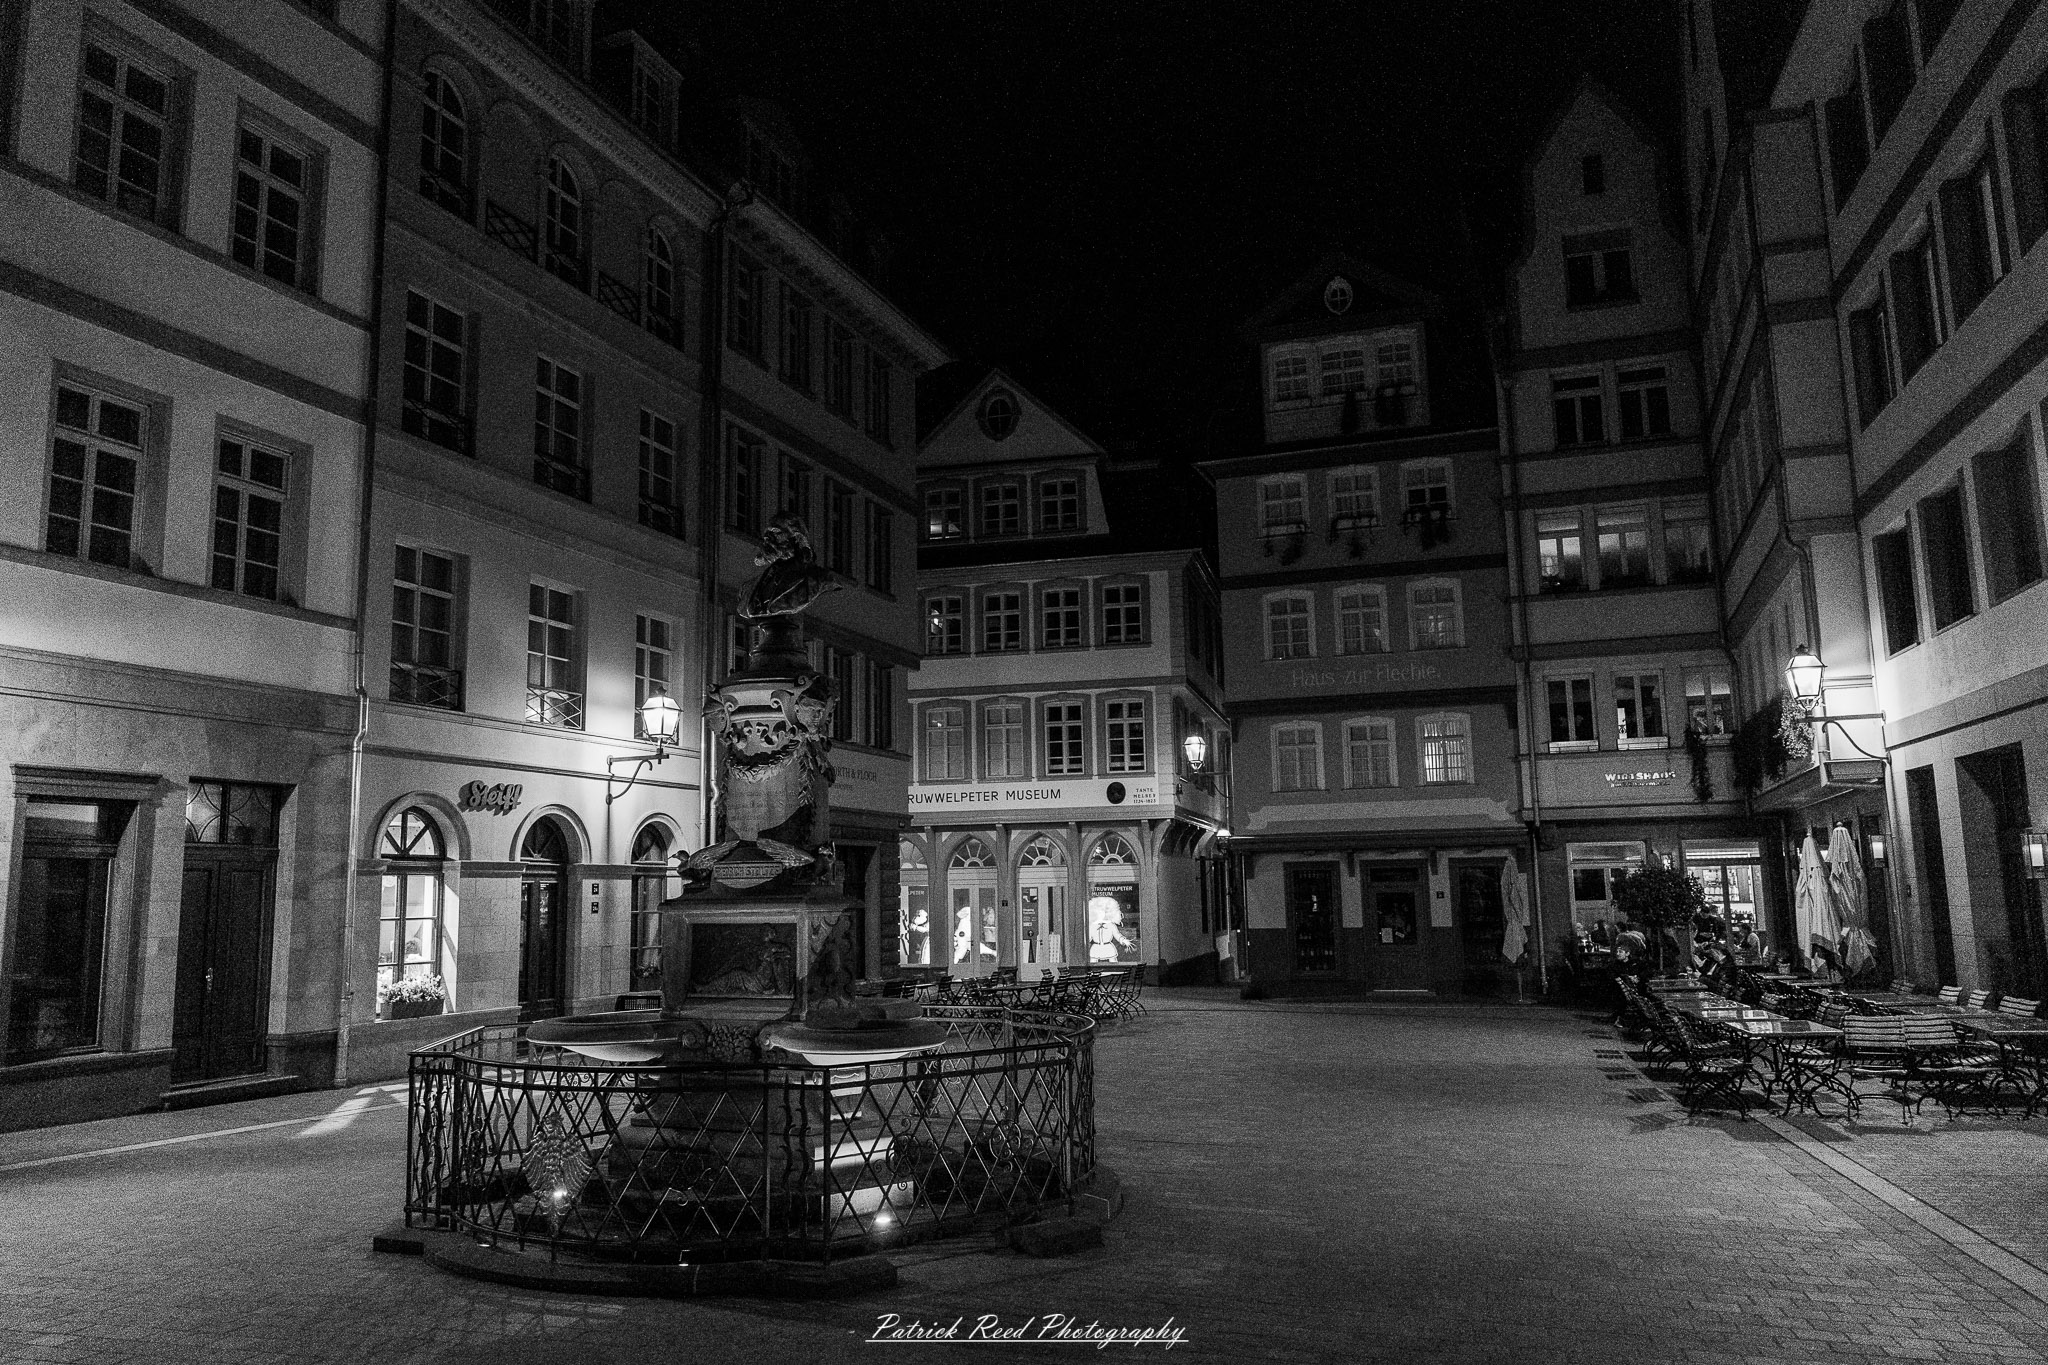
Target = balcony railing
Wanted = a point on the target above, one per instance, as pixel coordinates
(554, 706)
(661, 517)
(562, 478)
(618, 296)
(509, 230)
(427, 685)
(451, 429)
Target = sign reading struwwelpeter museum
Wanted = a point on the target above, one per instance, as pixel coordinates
(1045, 793)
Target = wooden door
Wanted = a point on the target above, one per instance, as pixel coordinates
(1396, 918)
(1312, 916)
(540, 947)
(218, 1022)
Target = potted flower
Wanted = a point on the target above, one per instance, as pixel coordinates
(415, 997)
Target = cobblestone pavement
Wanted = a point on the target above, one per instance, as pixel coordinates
(1305, 1182)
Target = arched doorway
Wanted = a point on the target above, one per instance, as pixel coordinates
(654, 881)
(1112, 902)
(971, 882)
(913, 907)
(543, 906)
(410, 938)
(1041, 906)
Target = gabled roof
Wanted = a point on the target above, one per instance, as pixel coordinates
(1374, 291)
(970, 393)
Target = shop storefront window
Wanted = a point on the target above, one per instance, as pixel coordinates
(1731, 873)
(971, 883)
(409, 908)
(1596, 871)
(60, 927)
(1112, 901)
(913, 910)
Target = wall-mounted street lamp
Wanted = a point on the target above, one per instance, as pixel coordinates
(661, 720)
(1878, 851)
(1197, 750)
(1803, 675)
(2034, 849)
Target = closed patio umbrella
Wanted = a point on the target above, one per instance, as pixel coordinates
(1813, 901)
(1514, 910)
(1852, 899)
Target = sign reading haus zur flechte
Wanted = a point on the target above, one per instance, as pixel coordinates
(500, 798)
(1139, 789)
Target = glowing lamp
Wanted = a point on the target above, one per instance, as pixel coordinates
(1197, 750)
(1878, 852)
(660, 718)
(2034, 848)
(1802, 674)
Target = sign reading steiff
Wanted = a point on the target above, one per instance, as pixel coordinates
(1139, 789)
(500, 799)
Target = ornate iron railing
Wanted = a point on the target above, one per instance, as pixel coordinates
(535, 1148)
(554, 706)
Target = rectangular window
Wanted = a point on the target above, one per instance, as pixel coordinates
(558, 429)
(1639, 707)
(1002, 509)
(60, 927)
(881, 548)
(653, 663)
(1946, 536)
(1354, 498)
(796, 487)
(1446, 749)
(1571, 712)
(248, 518)
(1576, 404)
(1059, 619)
(1916, 303)
(660, 506)
(945, 744)
(1291, 378)
(2026, 141)
(1002, 740)
(796, 338)
(273, 227)
(1369, 753)
(1435, 616)
(1426, 491)
(1970, 219)
(1059, 504)
(1343, 370)
(1870, 332)
(1888, 57)
(1598, 268)
(2009, 517)
(1709, 702)
(1688, 549)
(881, 707)
(1124, 729)
(744, 454)
(1361, 620)
(554, 687)
(1624, 542)
(1283, 505)
(942, 520)
(743, 306)
(1394, 363)
(1123, 614)
(1645, 400)
(1288, 629)
(1002, 622)
(945, 625)
(839, 369)
(839, 668)
(1848, 142)
(1063, 738)
(839, 527)
(125, 139)
(423, 630)
(1560, 552)
(436, 373)
(1297, 758)
(880, 425)
(95, 461)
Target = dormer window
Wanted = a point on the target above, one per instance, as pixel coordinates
(1283, 505)
(1598, 268)
(942, 519)
(1344, 369)
(998, 414)
(1291, 377)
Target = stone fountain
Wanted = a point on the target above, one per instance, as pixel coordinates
(757, 954)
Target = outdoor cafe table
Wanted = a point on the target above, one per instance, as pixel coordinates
(1775, 1035)
(2015, 1036)
(1703, 1007)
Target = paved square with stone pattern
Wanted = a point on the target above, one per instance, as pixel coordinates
(1305, 1182)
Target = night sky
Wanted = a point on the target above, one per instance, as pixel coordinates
(1098, 195)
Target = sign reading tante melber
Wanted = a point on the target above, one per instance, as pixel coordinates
(1044, 1328)
(1139, 789)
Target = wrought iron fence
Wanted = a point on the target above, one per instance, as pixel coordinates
(540, 1149)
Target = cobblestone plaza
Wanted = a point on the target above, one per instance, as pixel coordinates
(1337, 1182)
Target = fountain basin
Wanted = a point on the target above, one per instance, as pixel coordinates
(856, 1046)
(621, 1035)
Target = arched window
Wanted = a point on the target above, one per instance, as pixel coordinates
(913, 908)
(972, 853)
(1112, 850)
(409, 933)
(565, 226)
(444, 145)
(1042, 852)
(652, 872)
(544, 844)
(660, 303)
(1112, 901)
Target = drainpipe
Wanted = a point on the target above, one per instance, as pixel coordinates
(711, 486)
(345, 998)
(1524, 709)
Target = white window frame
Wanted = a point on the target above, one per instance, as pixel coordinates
(1124, 737)
(1363, 494)
(1283, 512)
(654, 662)
(933, 718)
(1313, 729)
(1308, 616)
(1377, 730)
(1457, 612)
(1422, 476)
(1014, 724)
(1585, 743)
(1462, 772)
(1306, 379)
(250, 237)
(1661, 740)
(1332, 372)
(1378, 594)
